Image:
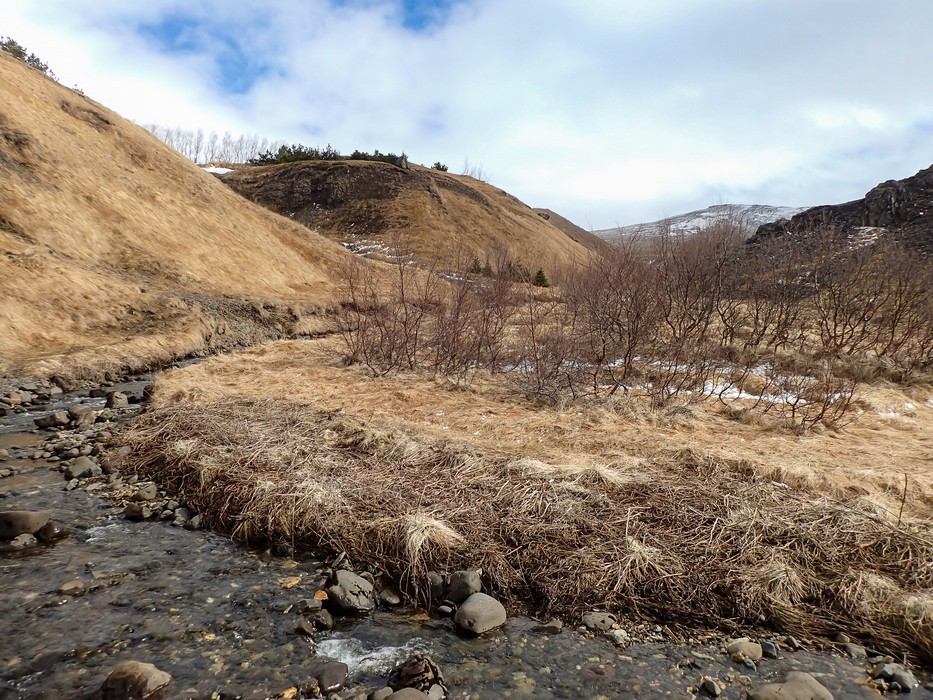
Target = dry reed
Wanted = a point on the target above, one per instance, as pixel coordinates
(685, 541)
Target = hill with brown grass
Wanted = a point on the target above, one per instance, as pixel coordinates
(372, 207)
(117, 251)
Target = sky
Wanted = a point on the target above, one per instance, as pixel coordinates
(610, 112)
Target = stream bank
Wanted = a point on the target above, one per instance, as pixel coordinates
(221, 620)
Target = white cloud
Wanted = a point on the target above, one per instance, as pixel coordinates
(608, 111)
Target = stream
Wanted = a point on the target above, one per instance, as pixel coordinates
(221, 619)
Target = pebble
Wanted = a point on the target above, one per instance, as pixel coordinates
(599, 621)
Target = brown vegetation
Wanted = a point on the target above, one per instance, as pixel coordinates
(675, 519)
(116, 251)
(367, 206)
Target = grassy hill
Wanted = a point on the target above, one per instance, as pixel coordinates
(368, 206)
(114, 249)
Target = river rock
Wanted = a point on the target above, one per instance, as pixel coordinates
(19, 522)
(50, 532)
(322, 620)
(56, 419)
(419, 672)
(137, 511)
(797, 685)
(480, 613)
(79, 469)
(895, 673)
(331, 676)
(116, 399)
(4, 455)
(146, 491)
(23, 541)
(82, 415)
(408, 694)
(746, 647)
(389, 597)
(599, 621)
(710, 687)
(134, 680)
(304, 628)
(351, 593)
(462, 585)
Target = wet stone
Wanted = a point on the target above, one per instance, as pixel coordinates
(322, 620)
(133, 680)
(351, 593)
(331, 676)
(769, 650)
(18, 522)
(895, 673)
(304, 628)
(389, 597)
(23, 541)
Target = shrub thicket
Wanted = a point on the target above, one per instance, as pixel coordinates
(788, 327)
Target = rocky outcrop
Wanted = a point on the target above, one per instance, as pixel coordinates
(900, 208)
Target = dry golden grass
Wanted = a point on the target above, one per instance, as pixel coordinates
(689, 517)
(436, 215)
(869, 458)
(103, 230)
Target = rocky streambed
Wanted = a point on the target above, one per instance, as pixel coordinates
(122, 595)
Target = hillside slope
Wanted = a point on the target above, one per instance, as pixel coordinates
(367, 205)
(902, 208)
(116, 249)
(577, 233)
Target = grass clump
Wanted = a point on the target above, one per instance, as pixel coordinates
(684, 541)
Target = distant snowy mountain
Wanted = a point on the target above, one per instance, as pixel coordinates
(750, 215)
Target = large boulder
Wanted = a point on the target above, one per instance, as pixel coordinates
(134, 680)
(797, 685)
(480, 613)
(351, 593)
(14, 523)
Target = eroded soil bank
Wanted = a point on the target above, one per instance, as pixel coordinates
(221, 619)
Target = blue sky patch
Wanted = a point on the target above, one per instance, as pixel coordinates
(424, 14)
(175, 34)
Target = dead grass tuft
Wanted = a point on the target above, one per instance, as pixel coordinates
(686, 540)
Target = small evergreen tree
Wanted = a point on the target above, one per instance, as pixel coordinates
(541, 279)
(439, 166)
(17, 50)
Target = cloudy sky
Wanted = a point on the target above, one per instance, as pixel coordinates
(607, 111)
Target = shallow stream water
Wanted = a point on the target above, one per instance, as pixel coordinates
(220, 619)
